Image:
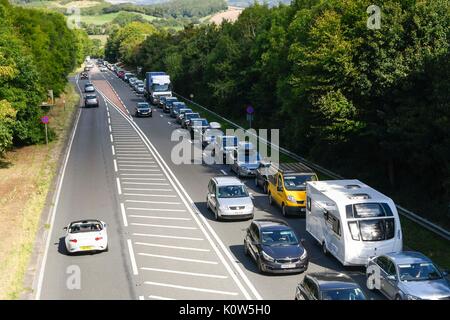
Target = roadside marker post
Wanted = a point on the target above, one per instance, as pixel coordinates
(250, 110)
(45, 120)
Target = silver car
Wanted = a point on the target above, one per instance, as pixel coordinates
(228, 198)
(407, 275)
(245, 160)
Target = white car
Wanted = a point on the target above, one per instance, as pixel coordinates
(103, 69)
(86, 235)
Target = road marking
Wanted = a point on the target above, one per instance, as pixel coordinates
(150, 195)
(132, 258)
(118, 186)
(110, 130)
(111, 138)
(151, 235)
(154, 209)
(177, 258)
(148, 183)
(160, 298)
(124, 215)
(138, 165)
(134, 158)
(109, 121)
(113, 151)
(189, 203)
(56, 202)
(170, 247)
(206, 275)
(141, 174)
(154, 217)
(133, 161)
(115, 165)
(162, 226)
(152, 202)
(141, 298)
(146, 189)
(224, 172)
(136, 153)
(145, 179)
(190, 288)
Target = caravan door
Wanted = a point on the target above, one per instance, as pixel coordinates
(333, 233)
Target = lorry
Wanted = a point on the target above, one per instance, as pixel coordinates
(157, 85)
(352, 221)
(287, 186)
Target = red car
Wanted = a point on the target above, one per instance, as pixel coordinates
(121, 74)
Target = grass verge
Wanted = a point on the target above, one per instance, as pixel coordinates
(24, 184)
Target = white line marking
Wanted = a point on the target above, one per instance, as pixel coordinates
(170, 247)
(56, 202)
(141, 298)
(154, 217)
(134, 161)
(110, 130)
(160, 298)
(162, 226)
(153, 202)
(115, 165)
(148, 183)
(109, 121)
(124, 215)
(140, 174)
(190, 288)
(133, 259)
(224, 172)
(138, 165)
(150, 195)
(186, 273)
(166, 236)
(118, 186)
(113, 151)
(177, 258)
(111, 138)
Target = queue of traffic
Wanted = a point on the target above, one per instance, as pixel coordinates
(356, 224)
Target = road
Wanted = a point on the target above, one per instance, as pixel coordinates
(164, 244)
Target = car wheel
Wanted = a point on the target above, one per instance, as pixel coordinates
(107, 248)
(283, 210)
(259, 264)
(397, 297)
(216, 215)
(324, 248)
(246, 249)
(270, 199)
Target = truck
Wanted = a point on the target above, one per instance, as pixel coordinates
(352, 221)
(287, 187)
(157, 85)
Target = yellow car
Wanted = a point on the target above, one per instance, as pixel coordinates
(287, 187)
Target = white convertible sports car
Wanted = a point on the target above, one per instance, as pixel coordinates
(86, 235)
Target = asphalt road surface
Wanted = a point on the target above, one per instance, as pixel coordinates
(164, 243)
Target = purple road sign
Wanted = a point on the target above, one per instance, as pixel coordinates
(44, 119)
(250, 110)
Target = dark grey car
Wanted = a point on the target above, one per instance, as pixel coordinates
(407, 275)
(328, 286)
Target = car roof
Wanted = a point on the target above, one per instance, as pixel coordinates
(143, 104)
(332, 280)
(86, 221)
(408, 257)
(227, 181)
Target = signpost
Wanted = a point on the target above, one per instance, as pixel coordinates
(250, 111)
(44, 120)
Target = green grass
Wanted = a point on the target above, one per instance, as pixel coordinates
(108, 17)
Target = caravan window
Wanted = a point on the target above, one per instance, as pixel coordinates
(333, 223)
(377, 230)
(368, 210)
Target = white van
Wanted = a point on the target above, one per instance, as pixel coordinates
(351, 220)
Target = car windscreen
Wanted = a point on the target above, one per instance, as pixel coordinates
(85, 227)
(161, 87)
(238, 191)
(418, 272)
(343, 294)
(192, 115)
(282, 237)
(184, 111)
(200, 122)
(297, 182)
(143, 106)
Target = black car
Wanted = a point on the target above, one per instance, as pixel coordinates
(275, 247)
(328, 286)
(262, 175)
(84, 76)
(143, 109)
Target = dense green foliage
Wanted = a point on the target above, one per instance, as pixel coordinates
(37, 51)
(370, 104)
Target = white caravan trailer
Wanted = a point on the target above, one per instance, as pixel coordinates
(351, 220)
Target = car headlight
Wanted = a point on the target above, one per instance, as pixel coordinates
(267, 257)
(304, 255)
(410, 297)
(291, 199)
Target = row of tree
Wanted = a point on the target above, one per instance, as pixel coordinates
(368, 103)
(37, 52)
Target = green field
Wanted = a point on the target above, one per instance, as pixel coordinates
(108, 17)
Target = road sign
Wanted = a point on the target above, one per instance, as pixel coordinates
(250, 110)
(44, 119)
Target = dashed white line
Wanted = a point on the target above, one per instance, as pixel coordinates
(162, 218)
(160, 298)
(118, 186)
(206, 275)
(150, 195)
(170, 247)
(153, 202)
(124, 215)
(177, 258)
(111, 138)
(115, 165)
(113, 150)
(132, 258)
